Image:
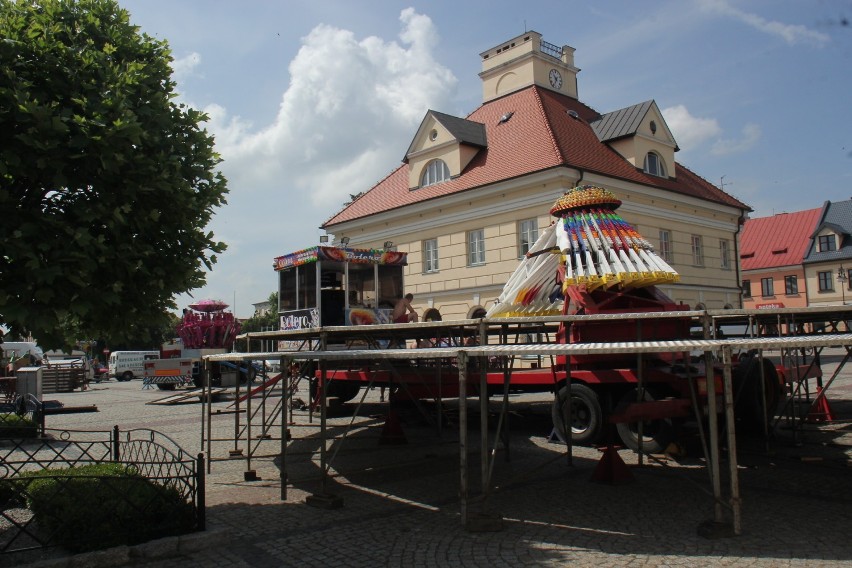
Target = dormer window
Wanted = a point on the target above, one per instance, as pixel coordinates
(436, 172)
(654, 165)
(827, 243)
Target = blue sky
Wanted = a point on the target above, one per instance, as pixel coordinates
(312, 101)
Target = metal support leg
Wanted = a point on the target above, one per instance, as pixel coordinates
(483, 425)
(462, 362)
(324, 500)
(713, 419)
(286, 403)
(732, 439)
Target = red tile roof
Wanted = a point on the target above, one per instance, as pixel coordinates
(540, 135)
(779, 240)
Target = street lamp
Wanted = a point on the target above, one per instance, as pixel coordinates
(842, 278)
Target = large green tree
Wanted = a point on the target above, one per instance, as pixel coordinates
(107, 183)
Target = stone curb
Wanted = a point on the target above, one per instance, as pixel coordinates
(156, 549)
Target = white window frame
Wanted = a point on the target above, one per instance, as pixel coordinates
(476, 247)
(666, 245)
(430, 256)
(435, 172)
(697, 250)
(654, 165)
(724, 254)
(527, 235)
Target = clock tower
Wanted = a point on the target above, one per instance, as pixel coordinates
(528, 60)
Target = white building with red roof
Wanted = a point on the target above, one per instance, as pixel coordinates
(473, 193)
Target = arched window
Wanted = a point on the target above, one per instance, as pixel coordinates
(476, 312)
(654, 165)
(436, 172)
(432, 314)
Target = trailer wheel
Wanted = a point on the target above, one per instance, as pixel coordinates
(166, 386)
(748, 404)
(656, 434)
(248, 376)
(586, 415)
(343, 391)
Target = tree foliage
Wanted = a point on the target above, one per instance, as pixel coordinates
(264, 321)
(107, 184)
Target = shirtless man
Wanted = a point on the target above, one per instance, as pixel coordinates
(403, 312)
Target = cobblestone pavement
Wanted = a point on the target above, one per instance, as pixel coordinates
(401, 506)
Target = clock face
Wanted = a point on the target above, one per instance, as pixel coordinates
(555, 79)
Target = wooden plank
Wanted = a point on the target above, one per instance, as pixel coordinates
(184, 396)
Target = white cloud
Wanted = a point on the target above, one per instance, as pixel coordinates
(184, 66)
(688, 130)
(691, 131)
(790, 33)
(751, 133)
(349, 107)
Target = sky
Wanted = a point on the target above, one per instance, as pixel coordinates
(310, 102)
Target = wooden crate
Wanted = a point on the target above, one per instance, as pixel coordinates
(61, 379)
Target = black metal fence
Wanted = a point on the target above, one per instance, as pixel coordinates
(87, 490)
(21, 417)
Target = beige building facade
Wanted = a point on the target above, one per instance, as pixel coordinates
(473, 193)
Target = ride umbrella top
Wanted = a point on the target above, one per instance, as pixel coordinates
(599, 248)
(588, 245)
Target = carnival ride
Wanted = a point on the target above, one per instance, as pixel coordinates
(590, 261)
(205, 328)
(206, 325)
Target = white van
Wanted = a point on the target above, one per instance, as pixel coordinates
(18, 349)
(125, 365)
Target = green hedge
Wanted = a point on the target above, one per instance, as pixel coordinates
(14, 426)
(102, 505)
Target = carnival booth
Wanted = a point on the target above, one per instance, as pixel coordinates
(332, 286)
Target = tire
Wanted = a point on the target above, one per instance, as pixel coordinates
(343, 391)
(586, 415)
(656, 434)
(252, 375)
(127, 376)
(748, 403)
(166, 386)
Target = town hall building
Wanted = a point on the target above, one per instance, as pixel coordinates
(472, 194)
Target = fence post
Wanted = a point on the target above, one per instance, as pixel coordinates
(200, 499)
(41, 417)
(116, 455)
